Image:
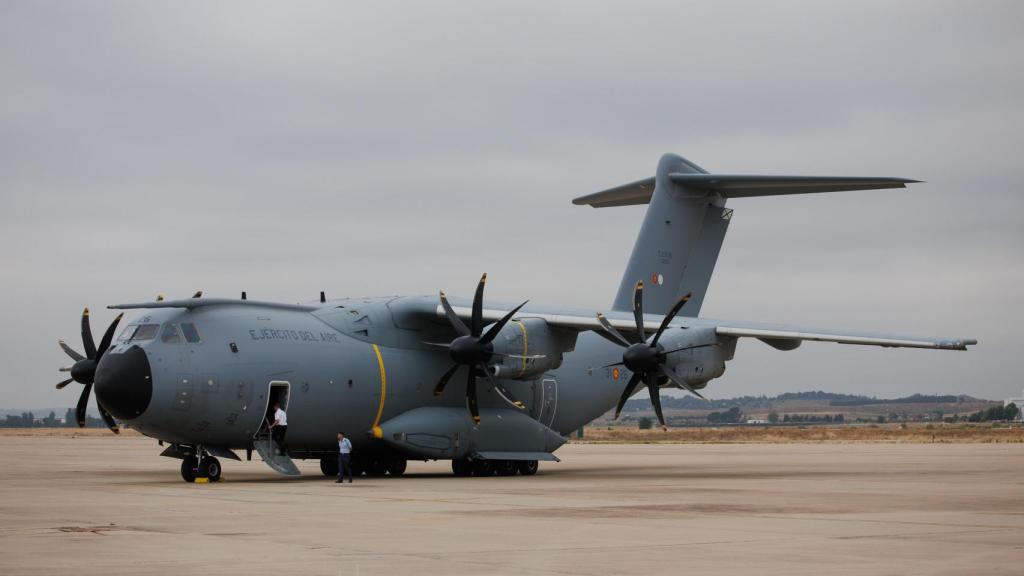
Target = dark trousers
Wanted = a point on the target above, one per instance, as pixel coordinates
(277, 433)
(344, 466)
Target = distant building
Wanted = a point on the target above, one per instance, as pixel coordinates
(752, 421)
(1020, 405)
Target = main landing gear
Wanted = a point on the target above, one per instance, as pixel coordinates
(484, 468)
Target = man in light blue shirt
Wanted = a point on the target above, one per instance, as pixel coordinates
(344, 459)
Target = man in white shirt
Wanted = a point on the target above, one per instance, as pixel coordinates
(280, 427)
(344, 459)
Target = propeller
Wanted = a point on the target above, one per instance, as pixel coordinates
(646, 360)
(83, 370)
(473, 348)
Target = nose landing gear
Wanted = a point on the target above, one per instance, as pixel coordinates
(206, 467)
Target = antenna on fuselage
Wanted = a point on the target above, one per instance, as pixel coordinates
(323, 298)
(243, 294)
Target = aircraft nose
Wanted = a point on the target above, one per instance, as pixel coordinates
(124, 383)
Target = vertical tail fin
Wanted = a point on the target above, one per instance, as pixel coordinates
(686, 222)
(678, 244)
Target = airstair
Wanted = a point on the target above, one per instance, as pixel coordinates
(273, 457)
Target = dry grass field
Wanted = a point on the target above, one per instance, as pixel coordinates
(888, 433)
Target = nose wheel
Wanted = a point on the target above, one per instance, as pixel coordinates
(208, 467)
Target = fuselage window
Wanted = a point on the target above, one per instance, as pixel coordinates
(170, 333)
(146, 332)
(190, 332)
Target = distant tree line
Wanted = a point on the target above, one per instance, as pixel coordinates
(753, 402)
(913, 399)
(996, 413)
(731, 416)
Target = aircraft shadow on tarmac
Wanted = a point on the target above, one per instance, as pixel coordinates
(652, 473)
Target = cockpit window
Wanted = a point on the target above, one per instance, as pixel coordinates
(170, 333)
(190, 332)
(139, 332)
(146, 332)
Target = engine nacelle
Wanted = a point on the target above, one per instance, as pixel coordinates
(698, 365)
(523, 339)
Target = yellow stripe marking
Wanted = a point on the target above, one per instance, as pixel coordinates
(377, 433)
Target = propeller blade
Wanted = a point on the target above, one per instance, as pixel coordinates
(64, 369)
(90, 346)
(69, 351)
(453, 318)
(680, 384)
(638, 310)
(668, 317)
(471, 396)
(64, 383)
(107, 337)
(477, 324)
(655, 394)
(612, 331)
(444, 380)
(111, 423)
(493, 332)
(438, 344)
(630, 388)
(694, 347)
(83, 402)
(501, 390)
(614, 365)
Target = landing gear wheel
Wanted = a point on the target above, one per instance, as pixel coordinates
(396, 466)
(461, 468)
(483, 468)
(528, 467)
(210, 469)
(188, 469)
(506, 467)
(329, 466)
(377, 467)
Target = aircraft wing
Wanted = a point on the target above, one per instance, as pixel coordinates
(787, 337)
(783, 337)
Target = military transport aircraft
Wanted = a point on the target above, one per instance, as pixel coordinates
(493, 387)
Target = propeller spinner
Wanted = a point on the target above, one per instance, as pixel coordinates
(83, 370)
(473, 348)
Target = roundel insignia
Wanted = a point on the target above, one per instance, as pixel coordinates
(615, 373)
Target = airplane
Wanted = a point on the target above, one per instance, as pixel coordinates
(494, 387)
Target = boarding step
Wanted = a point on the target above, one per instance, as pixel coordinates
(279, 462)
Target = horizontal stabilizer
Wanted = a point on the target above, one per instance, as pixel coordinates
(737, 186)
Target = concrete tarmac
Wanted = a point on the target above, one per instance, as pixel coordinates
(110, 505)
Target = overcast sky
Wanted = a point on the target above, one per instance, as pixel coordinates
(391, 148)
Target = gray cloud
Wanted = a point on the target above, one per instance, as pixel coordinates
(396, 148)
